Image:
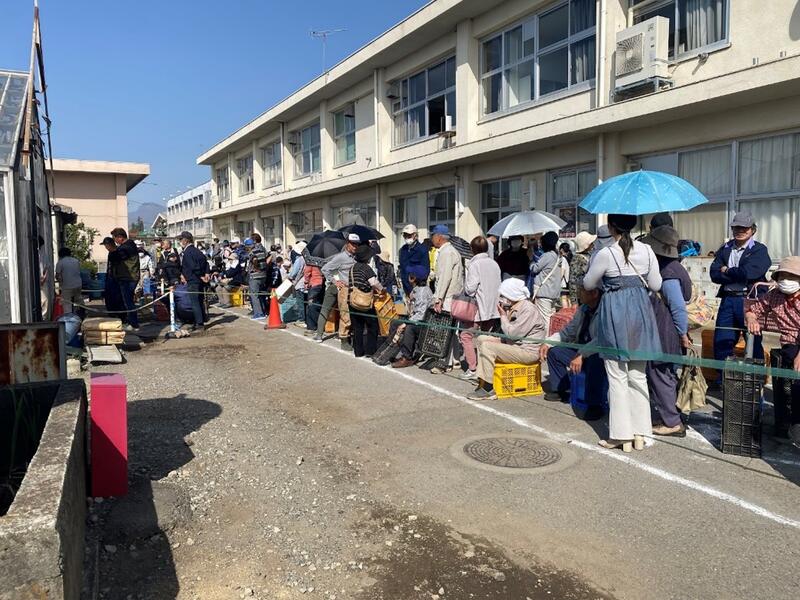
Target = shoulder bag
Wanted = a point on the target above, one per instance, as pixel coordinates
(464, 308)
(359, 299)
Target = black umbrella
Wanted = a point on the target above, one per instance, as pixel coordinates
(362, 231)
(462, 245)
(325, 245)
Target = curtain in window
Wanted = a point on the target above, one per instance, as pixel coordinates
(582, 15)
(583, 62)
(705, 22)
(707, 224)
(708, 170)
(778, 222)
(769, 165)
(564, 187)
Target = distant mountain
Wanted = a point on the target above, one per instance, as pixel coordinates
(146, 211)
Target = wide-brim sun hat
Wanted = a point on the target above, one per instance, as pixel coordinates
(664, 241)
(789, 265)
(583, 240)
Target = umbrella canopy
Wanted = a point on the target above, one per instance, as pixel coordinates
(527, 222)
(642, 193)
(462, 245)
(364, 232)
(325, 245)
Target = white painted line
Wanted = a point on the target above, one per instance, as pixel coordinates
(616, 455)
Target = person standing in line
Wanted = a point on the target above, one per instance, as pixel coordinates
(579, 264)
(146, 269)
(111, 295)
(673, 328)
(298, 280)
(627, 272)
(256, 277)
(482, 282)
(364, 321)
(125, 261)
(195, 274)
(168, 270)
(448, 281)
(68, 276)
(315, 286)
(336, 272)
(564, 260)
(547, 276)
(513, 261)
(738, 265)
(412, 254)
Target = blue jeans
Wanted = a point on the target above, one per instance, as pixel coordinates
(126, 290)
(315, 295)
(558, 359)
(257, 285)
(195, 297)
(731, 314)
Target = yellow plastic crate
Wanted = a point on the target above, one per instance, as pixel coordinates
(513, 379)
(237, 298)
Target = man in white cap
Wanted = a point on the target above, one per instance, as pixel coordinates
(412, 254)
(337, 275)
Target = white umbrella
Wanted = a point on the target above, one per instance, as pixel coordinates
(527, 222)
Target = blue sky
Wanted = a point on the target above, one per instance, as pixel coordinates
(159, 81)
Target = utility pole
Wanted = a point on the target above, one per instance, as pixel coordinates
(323, 35)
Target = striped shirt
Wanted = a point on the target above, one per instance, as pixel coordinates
(360, 277)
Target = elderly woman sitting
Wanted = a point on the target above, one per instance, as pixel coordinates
(519, 318)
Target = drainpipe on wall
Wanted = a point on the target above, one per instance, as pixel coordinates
(601, 94)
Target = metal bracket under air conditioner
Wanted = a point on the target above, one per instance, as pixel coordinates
(640, 88)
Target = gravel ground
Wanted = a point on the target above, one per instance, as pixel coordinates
(247, 483)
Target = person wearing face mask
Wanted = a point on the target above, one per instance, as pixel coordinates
(738, 265)
(412, 254)
(781, 308)
(519, 318)
(513, 261)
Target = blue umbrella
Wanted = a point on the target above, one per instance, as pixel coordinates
(642, 193)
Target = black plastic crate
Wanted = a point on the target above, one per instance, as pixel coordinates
(437, 334)
(781, 396)
(741, 410)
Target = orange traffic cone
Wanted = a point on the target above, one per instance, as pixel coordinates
(275, 321)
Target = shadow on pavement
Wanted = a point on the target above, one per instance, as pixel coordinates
(135, 557)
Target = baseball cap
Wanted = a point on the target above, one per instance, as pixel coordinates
(139, 243)
(410, 228)
(743, 219)
(249, 242)
(440, 230)
(354, 237)
(236, 240)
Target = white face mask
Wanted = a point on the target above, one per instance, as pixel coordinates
(516, 244)
(789, 286)
(409, 241)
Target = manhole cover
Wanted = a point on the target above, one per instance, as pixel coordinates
(511, 452)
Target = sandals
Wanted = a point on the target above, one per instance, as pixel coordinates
(626, 445)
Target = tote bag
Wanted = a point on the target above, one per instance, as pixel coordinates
(464, 308)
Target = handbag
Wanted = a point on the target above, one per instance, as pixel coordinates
(359, 299)
(464, 308)
(692, 387)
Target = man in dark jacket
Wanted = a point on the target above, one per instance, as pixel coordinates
(124, 265)
(194, 273)
(513, 261)
(168, 268)
(738, 265)
(413, 253)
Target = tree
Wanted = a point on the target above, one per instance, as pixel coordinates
(136, 228)
(79, 239)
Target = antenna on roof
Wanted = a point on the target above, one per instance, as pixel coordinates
(323, 35)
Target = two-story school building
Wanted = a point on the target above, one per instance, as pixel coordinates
(469, 110)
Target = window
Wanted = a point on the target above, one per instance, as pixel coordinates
(567, 190)
(272, 230)
(307, 222)
(404, 211)
(425, 100)
(499, 199)
(344, 134)
(361, 213)
(305, 149)
(271, 160)
(442, 208)
(244, 171)
(244, 229)
(223, 186)
(693, 24)
(546, 53)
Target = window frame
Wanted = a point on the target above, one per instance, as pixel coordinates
(224, 187)
(268, 180)
(314, 212)
(553, 204)
(247, 184)
(298, 150)
(502, 211)
(338, 136)
(448, 190)
(538, 98)
(677, 57)
(444, 93)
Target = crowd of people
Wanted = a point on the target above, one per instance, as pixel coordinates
(627, 299)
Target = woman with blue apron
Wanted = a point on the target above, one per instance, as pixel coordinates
(626, 271)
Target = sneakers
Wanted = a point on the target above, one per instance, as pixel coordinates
(318, 338)
(261, 319)
(663, 430)
(130, 327)
(553, 397)
(439, 370)
(346, 346)
(469, 375)
(482, 394)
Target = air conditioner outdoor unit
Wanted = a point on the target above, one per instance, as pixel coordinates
(393, 92)
(642, 52)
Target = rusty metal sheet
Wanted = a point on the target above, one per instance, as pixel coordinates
(31, 353)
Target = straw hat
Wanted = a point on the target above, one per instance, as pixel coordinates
(789, 265)
(583, 240)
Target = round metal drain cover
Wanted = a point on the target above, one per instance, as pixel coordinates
(512, 452)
